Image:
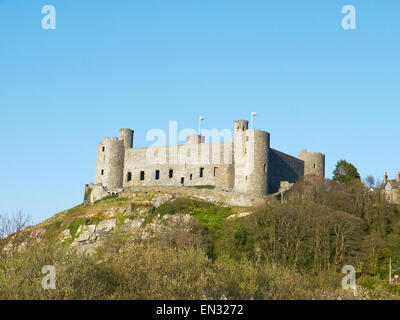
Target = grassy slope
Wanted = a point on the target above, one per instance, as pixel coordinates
(271, 229)
(206, 213)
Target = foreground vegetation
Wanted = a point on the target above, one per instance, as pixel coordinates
(293, 249)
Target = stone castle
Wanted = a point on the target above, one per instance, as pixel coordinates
(246, 165)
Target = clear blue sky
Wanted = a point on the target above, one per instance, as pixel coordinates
(138, 64)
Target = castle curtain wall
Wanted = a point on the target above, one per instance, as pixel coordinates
(191, 165)
(245, 165)
(283, 167)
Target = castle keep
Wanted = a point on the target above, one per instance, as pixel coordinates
(246, 165)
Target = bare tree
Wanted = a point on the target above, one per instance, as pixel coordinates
(13, 223)
(370, 180)
(12, 226)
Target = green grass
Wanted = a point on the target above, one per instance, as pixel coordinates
(208, 214)
(114, 198)
(121, 218)
(74, 210)
(107, 199)
(165, 208)
(53, 229)
(74, 225)
(95, 220)
(88, 191)
(212, 218)
(207, 186)
(379, 288)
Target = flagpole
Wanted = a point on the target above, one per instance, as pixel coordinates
(252, 119)
(200, 119)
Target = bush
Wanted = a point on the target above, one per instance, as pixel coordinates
(290, 250)
(77, 276)
(309, 237)
(158, 272)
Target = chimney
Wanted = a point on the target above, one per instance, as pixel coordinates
(385, 177)
(398, 176)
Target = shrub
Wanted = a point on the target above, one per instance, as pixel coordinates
(156, 272)
(77, 276)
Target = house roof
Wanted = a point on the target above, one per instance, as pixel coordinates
(393, 182)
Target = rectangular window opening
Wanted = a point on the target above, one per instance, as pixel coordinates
(191, 176)
(141, 175)
(201, 172)
(182, 180)
(157, 174)
(129, 176)
(171, 173)
(102, 172)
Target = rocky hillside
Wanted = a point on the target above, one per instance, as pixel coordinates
(182, 243)
(140, 215)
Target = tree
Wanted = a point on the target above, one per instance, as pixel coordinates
(345, 172)
(11, 227)
(13, 224)
(370, 180)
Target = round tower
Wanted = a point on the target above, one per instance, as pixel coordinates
(314, 163)
(239, 154)
(250, 150)
(110, 163)
(258, 143)
(127, 136)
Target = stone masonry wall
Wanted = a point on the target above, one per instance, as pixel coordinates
(283, 167)
(187, 162)
(217, 196)
(246, 165)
